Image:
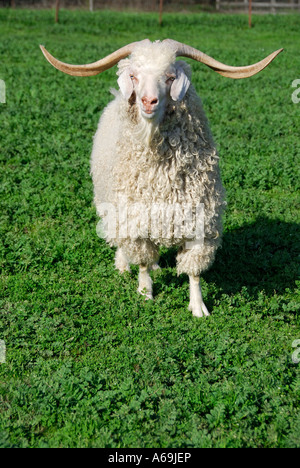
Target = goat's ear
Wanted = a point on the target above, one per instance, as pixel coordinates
(180, 85)
(125, 84)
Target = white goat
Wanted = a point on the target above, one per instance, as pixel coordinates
(154, 163)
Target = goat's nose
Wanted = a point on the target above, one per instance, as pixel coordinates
(149, 101)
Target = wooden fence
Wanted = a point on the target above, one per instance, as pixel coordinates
(265, 6)
(271, 6)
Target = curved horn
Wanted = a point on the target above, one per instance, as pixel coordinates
(91, 68)
(225, 70)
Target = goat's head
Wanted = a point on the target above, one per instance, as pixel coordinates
(154, 77)
(153, 74)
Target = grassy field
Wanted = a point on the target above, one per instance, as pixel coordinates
(88, 363)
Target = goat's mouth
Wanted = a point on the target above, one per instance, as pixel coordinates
(149, 113)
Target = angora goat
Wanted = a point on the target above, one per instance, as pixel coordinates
(154, 163)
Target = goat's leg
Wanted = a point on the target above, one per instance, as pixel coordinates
(145, 282)
(121, 261)
(196, 305)
(122, 264)
(193, 262)
(140, 252)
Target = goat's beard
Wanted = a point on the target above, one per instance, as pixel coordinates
(145, 128)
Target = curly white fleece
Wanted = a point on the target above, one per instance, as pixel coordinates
(178, 166)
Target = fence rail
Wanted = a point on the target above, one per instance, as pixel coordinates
(270, 6)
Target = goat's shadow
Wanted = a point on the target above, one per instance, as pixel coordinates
(263, 255)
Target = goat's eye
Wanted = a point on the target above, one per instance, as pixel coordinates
(170, 79)
(133, 78)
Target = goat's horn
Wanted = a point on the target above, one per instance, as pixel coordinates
(225, 70)
(91, 68)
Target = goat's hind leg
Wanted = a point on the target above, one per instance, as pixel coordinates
(145, 281)
(140, 252)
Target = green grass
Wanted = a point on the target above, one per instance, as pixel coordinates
(88, 363)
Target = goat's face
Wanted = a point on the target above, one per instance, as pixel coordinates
(155, 78)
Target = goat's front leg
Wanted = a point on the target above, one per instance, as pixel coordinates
(145, 282)
(196, 304)
(121, 261)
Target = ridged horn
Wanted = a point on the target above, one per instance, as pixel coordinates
(91, 68)
(184, 50)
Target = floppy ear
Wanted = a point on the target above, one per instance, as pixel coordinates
(125, 84)
(180, 85)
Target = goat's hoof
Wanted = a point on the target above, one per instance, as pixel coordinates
(124, 269)
(199, 311)
(146, 294)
